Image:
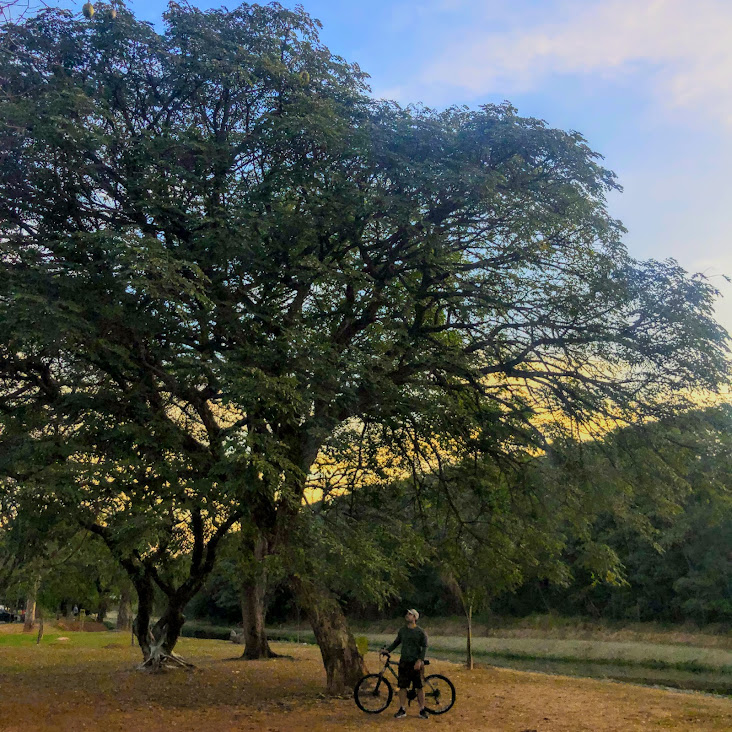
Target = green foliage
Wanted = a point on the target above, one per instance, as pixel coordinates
(662, 499)
(361, 549)
(41, 548)
(86, 575)
(362, 643)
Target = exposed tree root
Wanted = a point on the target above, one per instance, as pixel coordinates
(163, 660)
(158, 660)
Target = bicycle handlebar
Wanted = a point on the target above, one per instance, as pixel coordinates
(382, 652)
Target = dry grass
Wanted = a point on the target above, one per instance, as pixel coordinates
(89, 682)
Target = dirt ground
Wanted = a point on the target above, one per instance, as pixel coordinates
(67, 685)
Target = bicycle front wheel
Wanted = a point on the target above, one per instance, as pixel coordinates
(373, 694)
(439, 694)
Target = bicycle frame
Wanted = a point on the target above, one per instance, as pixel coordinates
(388, 665)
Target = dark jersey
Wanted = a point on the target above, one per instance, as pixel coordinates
(413, 642)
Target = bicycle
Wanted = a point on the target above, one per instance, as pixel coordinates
(374, 692)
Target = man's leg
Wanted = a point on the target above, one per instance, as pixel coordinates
(402, 711)
(417, 683)
(404, 680)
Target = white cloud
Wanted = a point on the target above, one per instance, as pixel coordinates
(684, 48)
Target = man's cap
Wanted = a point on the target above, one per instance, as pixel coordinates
(414, 612)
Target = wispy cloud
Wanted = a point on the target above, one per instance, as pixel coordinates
(682, 47)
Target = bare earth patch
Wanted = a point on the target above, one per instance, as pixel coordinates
(73, 686)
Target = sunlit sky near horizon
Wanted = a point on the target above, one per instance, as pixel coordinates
(647, 82)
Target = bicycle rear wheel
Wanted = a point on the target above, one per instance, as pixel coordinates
(373, 694)
(439, 694)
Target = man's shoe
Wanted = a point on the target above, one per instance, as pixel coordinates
(424, 714)
(401, 713)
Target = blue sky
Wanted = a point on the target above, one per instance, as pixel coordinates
(648, 83)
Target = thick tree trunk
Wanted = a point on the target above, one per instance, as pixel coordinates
(124, 613)
(167, 630)
(343, 663)
(157, 642)
(252, 612)
(253, 592)
(102, 611)
(30, 605)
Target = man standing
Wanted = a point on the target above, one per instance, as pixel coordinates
(414, 646)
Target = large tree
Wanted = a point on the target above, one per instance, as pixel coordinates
(220, 254)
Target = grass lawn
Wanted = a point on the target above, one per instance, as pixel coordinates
(89, 682)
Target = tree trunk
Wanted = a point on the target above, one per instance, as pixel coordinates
(469, 614)
(252, 612)
(141, 625)
(39, 638)
(30, 605)
(157, 642)
(102, 611)
(466, 602)
(167, 630)
(343, 663)
(124, 613)
(253, 592)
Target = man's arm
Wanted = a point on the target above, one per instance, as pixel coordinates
(419, 665)
(423, 646)
(396, 642)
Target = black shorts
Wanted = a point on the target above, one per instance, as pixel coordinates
(408, 676)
